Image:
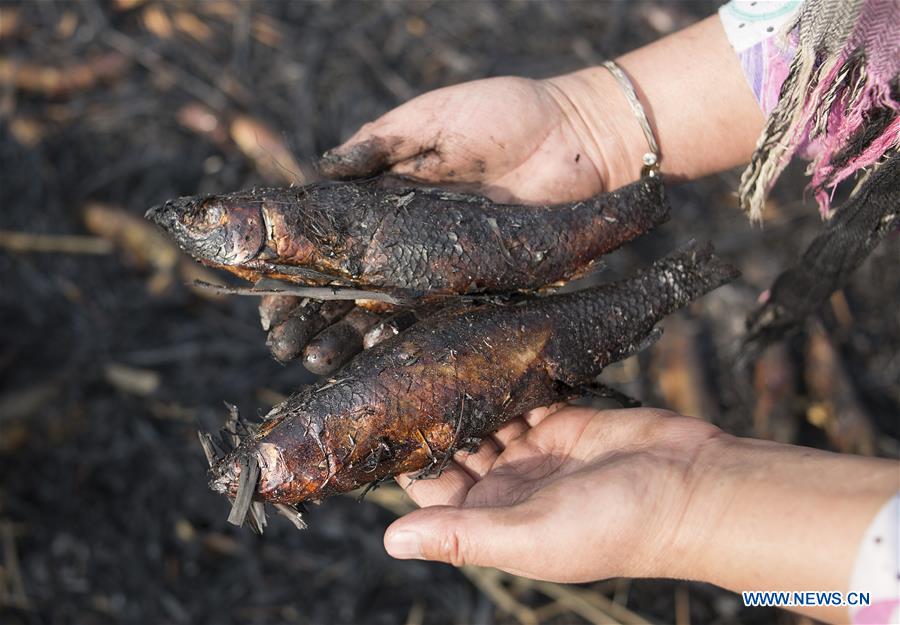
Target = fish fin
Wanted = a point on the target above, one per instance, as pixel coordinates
(256, 517)
(371, 486)
(652, 337)
(437, 466)
(396, 296)
(243, 501)
(572, 388)
(301, 272)
(269, 286)
(401, 186)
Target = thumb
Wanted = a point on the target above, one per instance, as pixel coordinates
(378, 145)
(411, 129)
(458, 536)
(359, 158)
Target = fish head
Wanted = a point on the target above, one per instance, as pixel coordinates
(290, 470)
(214, 229)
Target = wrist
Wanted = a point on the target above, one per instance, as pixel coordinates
(697, 509)
(767, 516)
(595, 108)
(702, 112)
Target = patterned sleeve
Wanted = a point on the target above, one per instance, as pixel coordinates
(877, 568)
(754, 30)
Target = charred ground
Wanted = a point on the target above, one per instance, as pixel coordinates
(107, 363)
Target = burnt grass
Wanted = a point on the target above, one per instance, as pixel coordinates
(105, 516)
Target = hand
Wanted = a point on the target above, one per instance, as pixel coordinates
(575, 494)
(508, 138)
(570, 495)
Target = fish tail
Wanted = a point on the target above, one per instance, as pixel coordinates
(603, 324)
(686, 274)
(643, 204)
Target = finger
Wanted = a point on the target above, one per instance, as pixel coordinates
(450, 488)
(477, 463)
(397, 135)
(360, 158)
(338, 343)
(536, 415)
(510, 431)
(287, 340)
(481, 536)
(275, 309)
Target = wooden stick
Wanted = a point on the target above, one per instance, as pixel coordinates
(25, 242)
(593, 606)
(16, 596)
(489, 582)
(244, 497)
(313, 292)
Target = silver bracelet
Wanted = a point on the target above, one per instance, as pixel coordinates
(650, 160)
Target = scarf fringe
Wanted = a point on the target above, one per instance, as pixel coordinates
(826, 176)
(826, 98)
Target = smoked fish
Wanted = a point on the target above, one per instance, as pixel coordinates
(413, 240)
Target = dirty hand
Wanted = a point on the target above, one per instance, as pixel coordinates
(570, 495)
(508, 138)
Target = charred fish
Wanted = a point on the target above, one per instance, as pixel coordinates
(415, 240)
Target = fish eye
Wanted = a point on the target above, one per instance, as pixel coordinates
(206, 216)
(214, 213)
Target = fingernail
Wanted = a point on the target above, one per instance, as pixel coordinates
(404, 545)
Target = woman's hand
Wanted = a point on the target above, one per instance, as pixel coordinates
(509, 138)
(571, 136)
(575, 494)
(569, 494)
